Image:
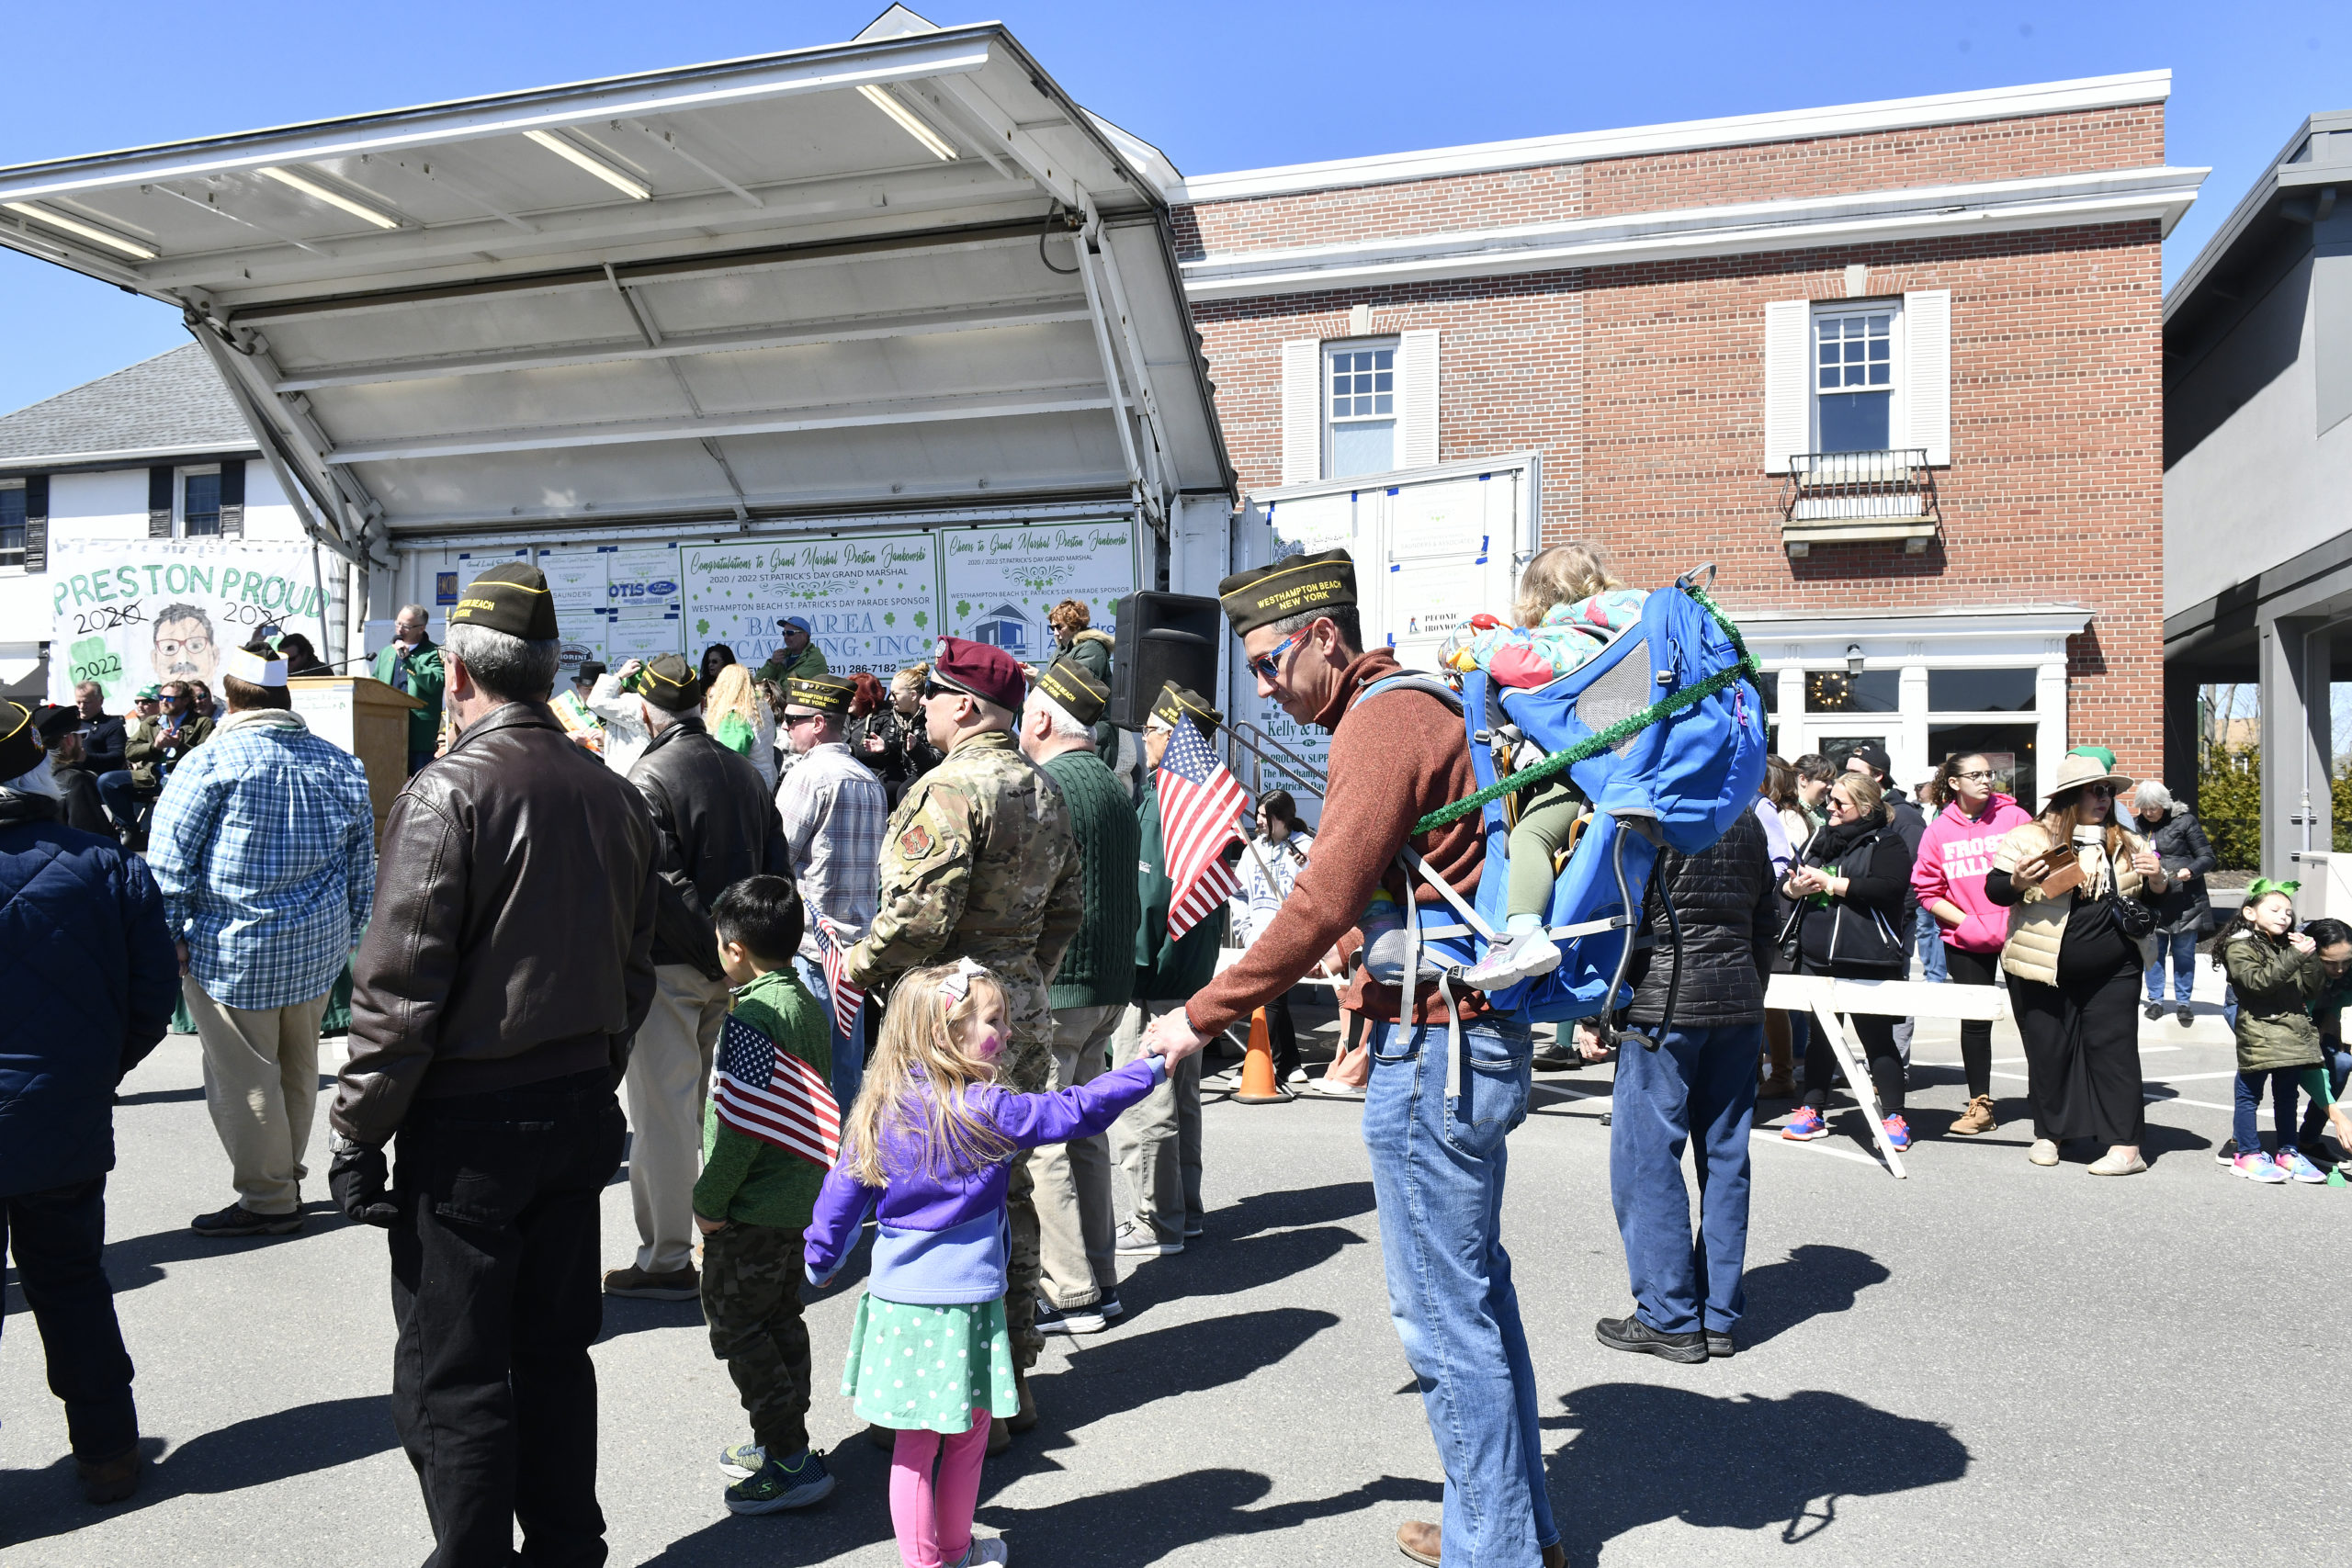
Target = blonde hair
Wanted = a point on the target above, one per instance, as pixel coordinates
(1864, 791)
(920, 1081)
(1561, 575)
(733, 691)
(910, 679)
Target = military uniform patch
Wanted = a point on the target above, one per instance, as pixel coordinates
(916, 842)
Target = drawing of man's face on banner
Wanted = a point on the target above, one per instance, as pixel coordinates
(183, 647)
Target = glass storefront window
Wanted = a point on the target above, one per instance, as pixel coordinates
(1981, 691)
(1837, 748)
(1833, 691)
(2006, 748)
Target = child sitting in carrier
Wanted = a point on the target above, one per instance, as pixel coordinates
(2276, 972)
(1570, 607)
(930, 1144)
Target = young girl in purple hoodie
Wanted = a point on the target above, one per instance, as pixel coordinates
(928, 1148)
(1955, 853)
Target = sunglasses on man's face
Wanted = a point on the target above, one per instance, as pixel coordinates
(1269, 665)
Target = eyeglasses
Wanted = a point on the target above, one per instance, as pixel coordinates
(2105, 792)
(1269, 665)
(1976, 776)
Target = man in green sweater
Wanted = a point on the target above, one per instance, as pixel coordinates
(753, 1202)
(794, 654)
(1158, 1142)
(1079, 1283)
(411, 662)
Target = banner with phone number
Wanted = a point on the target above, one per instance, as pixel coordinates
(133, 613)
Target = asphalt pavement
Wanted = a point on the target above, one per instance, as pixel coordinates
(1989, 1362)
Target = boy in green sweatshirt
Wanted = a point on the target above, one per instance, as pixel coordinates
(754, 1200)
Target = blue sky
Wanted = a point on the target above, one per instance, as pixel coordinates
(1217, 84)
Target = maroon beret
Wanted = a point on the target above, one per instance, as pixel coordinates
(981, 670)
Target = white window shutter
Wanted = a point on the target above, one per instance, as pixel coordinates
(1416, 399)
(1302, 411)
(1927, 371)
(1788, 403)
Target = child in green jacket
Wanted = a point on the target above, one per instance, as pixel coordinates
(2276, 973)
(757, 1193)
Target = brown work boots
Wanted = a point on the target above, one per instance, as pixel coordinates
(1977, 1118)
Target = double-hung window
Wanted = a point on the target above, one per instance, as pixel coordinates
(12, 522)
(1360, 408)
(1855, 380)
(200, 503)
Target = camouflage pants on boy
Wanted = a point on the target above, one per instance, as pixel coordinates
(750, 1297)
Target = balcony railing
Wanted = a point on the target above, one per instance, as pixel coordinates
(1896, 484)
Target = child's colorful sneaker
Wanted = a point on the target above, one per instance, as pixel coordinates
(744, 1461)
(779, 1486)
(2258, 1168)
(2292, 1160)
(1898, 1133)
(1511, 960)
(1805, 1126)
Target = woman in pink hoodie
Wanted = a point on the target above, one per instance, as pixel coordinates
(1949, 879)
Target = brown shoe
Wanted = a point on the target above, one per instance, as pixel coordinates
(1027, 1416)
(1556, 1555)
(1000, 1436)
(678, 1285)
(1977, 1118)
(112, 1481)
(1780, 1086)
(1418, 1539)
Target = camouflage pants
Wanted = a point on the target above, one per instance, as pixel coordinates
(750, 1296)
(1027, 1068)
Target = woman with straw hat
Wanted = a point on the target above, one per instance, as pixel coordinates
(2072, 882)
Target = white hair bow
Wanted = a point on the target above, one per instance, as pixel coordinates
(957, 986)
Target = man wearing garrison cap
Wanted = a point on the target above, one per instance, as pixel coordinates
(1077, 1280)
(1396, 757)
(979, 862)
(507, 965)
(832, 809)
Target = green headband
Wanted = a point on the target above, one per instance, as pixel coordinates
(2262, 887)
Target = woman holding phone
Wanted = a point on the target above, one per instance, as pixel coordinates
(2072, 880)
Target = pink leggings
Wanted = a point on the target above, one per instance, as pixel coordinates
(933, 1521)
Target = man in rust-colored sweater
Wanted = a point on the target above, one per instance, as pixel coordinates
(1395, 757)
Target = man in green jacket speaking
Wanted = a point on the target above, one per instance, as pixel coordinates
(411, 662)
(1078, 1277)
(795, 654)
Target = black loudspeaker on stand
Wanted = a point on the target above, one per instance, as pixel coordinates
(1161, 638)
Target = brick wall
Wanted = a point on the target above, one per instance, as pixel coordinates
(1643, 387)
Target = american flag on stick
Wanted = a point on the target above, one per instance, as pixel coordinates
(766, 1092)
(1198, 805)
(848, 995)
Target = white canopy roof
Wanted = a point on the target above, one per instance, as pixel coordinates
(899, 272)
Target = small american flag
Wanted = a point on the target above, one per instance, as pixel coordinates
(1198, 804)
(848, 995)
(768, 1093)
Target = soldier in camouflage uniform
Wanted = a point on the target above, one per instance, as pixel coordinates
(979, 863)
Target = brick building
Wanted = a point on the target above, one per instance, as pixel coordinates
(1892, 367)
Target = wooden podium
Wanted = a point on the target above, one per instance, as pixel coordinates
(366, 718)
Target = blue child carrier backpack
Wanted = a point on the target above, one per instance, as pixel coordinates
(1663, 732)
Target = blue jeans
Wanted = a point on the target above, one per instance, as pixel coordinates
(1702, 1080)
(848, 1046)
(123, 801)
(2283, 1083)
(2182, 945)
(1437, 1179)
(1929, 940)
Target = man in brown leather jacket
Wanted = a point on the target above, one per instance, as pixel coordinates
(507, 965)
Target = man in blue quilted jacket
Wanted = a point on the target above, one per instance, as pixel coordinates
(90, 974)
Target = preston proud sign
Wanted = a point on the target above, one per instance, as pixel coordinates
(133, 613)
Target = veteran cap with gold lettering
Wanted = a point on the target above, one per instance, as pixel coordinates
(512, 598)
(827, 695)
(1176, 702)
(1078, 693)
(1265, 594)
(669, 683)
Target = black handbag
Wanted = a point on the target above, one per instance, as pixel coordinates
(2133, 917)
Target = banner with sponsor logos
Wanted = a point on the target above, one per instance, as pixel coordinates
(999, 583)
(871, 599)
(133, 613)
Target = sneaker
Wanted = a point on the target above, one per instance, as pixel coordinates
(2115, 1162)
(1052, 1319)
(1195, 1229)
(1109, 1305)
(2260, 1167)
(2297, 1168)
(1978, 1118)
(678, 1285)
(1630, 1333)
(2154, 1011)
(1511, 960)
(1898, 1133)
(1804, 1125)
(742, 1461)
(2319, 1154)
(2226, 1156)
(2044, 1152)
(1138, 1239)
(778, 1485)
(981, 1552)
(1718, 1345)
(2185, 1014)
(1336, 1090)
(236, 1221)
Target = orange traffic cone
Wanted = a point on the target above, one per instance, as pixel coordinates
(1258, 1085)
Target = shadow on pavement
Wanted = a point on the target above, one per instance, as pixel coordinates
(1814, 1280)
(1262, 1211)
(1208, 1267)
(1646, 1454)
(35, 1504)
(159, 1096)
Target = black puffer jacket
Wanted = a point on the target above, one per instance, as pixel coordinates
(717, 826)
(1723, 899)
(1855, 936)
(2180, 843)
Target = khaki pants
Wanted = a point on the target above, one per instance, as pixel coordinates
(1157, 1141)
(668, 1072)
(261, 1084)
(1073, 1179)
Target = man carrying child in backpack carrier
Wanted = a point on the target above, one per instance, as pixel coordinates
(1396, 756)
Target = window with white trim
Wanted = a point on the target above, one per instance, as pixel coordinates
(1855, 379)
(200, 502)
(12, 522)
(1360, 405)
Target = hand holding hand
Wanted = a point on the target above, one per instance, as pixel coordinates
(1172, 1037)
(357, 1178)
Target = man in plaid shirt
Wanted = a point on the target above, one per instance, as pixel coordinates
(834, 809)
(264, 845)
